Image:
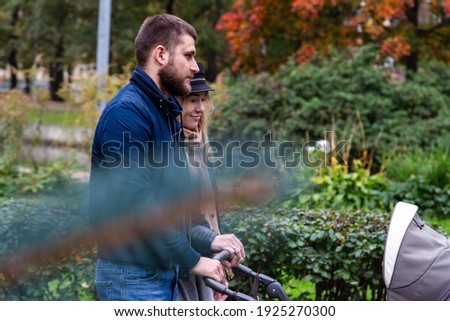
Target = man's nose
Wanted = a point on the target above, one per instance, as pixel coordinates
(194, 66)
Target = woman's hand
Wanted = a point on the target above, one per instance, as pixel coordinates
(233, 245)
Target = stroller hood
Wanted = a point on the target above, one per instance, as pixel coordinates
(416, 263)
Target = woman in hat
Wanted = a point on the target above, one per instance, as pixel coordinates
(196, 107)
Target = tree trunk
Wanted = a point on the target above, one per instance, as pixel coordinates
(169, 6)
(212, 70)
(69, 73)
(12, 56)
(27, 88)
(56, 71)
(412, 62)
(12, 61)
(424, 14)
(211, 54)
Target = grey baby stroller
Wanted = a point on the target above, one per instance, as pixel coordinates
(416, 264)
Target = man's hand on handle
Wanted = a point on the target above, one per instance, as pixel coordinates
(210, 268)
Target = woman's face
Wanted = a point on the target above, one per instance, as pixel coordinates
(193, 110)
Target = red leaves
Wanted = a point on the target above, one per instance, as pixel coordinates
(388, 9)
(446, 8)
(253, 28)
(395, 47)
(308, 8)
(305, 54)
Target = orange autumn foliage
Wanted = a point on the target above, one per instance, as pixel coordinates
(305, 54)
(396, 48)
(262, 34)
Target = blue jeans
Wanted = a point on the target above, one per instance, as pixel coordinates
(127, 282)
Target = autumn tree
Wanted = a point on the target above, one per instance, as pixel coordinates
(264, 33)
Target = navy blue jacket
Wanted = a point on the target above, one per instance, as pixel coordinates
(135, 153)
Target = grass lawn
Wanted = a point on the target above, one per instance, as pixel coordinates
(68, 117)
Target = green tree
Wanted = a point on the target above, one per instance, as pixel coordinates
(58, 34)
(204, 15)
(9, 16)
(44, 33)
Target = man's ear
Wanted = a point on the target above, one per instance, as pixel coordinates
(160, 54)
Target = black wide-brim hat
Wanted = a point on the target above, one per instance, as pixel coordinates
(198, 83)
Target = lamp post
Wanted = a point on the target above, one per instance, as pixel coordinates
(103, 35)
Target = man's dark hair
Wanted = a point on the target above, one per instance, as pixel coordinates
(162, 29)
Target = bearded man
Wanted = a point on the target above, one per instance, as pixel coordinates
(137, 166)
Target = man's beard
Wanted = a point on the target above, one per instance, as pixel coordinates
(172, 82)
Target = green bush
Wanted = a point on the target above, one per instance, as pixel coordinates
(349, 96)
(26, 224)
(341, 252)
(422, 177)
(13, 107)
(16, 179)
(338, 189)
(247, 107)
(21, 181)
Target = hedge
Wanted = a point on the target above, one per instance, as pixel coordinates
(341, 252)
(25, 224)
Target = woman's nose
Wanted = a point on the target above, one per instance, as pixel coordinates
(201, 107)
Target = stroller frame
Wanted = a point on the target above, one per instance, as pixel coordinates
(272, 287)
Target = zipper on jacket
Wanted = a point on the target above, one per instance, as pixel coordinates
(170, 126)
(167, 117)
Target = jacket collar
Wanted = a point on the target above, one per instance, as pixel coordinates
(142, 80)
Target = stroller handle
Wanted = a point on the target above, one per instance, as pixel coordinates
(224, 255)
(219, 287)
(273, 288)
